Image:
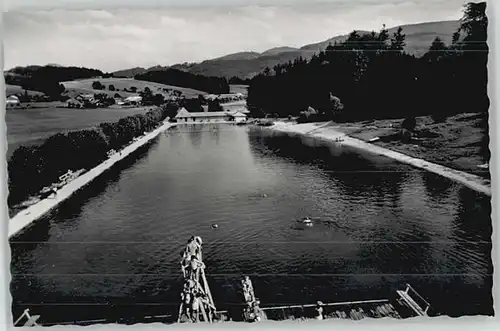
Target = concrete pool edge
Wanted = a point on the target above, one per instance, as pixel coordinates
(29, 215)
(474, 182)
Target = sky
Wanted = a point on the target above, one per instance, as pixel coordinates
(119, 34)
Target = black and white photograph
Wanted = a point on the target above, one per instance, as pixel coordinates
(247, 161)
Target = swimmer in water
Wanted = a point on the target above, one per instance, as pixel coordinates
(307, 221)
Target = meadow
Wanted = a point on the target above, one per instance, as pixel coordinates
(84, 86)
(32, 126)
(459, 142)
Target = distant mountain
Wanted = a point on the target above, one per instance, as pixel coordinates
(278, 50)
(129, 73)
(247, 64)
(132, 72)
(418, 39)
(158, 68)
(418, 36)
(238, 56)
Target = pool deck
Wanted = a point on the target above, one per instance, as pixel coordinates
(326, 132)
(29, 215)
(341, 310)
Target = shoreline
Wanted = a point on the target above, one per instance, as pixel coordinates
(27, 216)
(325, 132)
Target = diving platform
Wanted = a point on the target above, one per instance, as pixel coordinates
(197, 304)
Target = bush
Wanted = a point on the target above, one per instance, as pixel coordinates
(98, 86)
(405, 136)
(409, 123)
(439, 117)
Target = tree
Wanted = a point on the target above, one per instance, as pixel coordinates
(409, 123)
(96, 85)
(398, 40)
(474, 22)
(437, 50)
(362, 74)
(24, 173)
(111, 87)
(214, 105)
(202, 99)
(336, 105)
(383, 36)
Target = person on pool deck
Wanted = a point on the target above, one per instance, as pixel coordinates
(319, 310)
(256, 311)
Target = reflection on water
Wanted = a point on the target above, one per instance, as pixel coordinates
(114, 248)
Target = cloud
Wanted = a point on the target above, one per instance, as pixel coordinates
(113, 39)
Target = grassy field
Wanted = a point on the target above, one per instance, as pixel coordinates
(32, 126)
(84, 86)
(243, 89)
(15, 89)
(458, 142)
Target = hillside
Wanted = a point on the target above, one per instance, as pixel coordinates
(278, 50)
(18, 90)
(210, 84)
(84, 86)
(418, 36)
(239, 56)
(247, 64)
(128, 73)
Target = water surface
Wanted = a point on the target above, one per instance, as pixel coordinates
(114, 248)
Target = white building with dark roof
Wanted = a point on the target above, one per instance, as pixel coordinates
(184, 116)
(12, 101)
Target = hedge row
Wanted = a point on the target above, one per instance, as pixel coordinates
(33, 167)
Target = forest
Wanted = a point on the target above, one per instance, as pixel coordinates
(374, 78)
(215, 85)
(47, 79)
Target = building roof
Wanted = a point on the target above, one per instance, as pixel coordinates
(203, 114)
(182, 113)
(134, 98)
(238, 114)
(12, 98)
(86, 96)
